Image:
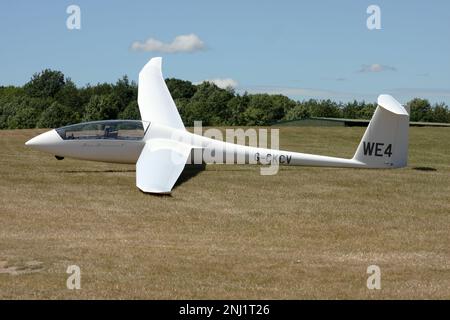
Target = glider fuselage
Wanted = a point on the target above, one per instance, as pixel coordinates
(117, 141)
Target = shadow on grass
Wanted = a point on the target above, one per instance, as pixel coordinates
(189, 171)
(98, 171)
(424, 169)
(158, 195)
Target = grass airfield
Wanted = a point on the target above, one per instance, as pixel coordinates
(227, 232)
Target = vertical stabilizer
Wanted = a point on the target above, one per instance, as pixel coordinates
(385, 142)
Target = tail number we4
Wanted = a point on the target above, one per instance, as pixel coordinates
(377, 149)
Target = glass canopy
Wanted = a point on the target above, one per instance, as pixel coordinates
(109, 129)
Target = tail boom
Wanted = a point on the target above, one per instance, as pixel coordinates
(384, 145)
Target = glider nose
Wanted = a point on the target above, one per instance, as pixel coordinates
(45, 141)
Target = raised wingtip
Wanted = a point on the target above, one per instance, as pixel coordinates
(155, 62)
(389, 103)
(154, 99)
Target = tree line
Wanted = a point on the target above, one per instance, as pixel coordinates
(51, 100)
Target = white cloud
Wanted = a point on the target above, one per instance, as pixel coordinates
(182, 43)
(376, 67)
(222, 82)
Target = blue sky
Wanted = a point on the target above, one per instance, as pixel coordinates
(304, 49)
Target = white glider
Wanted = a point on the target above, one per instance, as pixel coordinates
(160, 146)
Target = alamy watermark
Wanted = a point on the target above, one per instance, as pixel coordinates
(374, 20)
(236, 146)
(74, 280)
(73, 21)
(374, 280)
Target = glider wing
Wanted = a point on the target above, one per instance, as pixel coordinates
(160, 164)
(154, 99)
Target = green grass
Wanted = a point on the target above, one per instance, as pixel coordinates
(228, 232)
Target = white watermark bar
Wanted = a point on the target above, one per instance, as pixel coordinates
(253, 147)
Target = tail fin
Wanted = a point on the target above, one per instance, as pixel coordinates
(385, 142)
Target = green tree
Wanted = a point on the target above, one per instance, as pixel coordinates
(8, 108)
(236, 107)
(282, 104)
(441, 113)
(352, 110)
(45, 84)
(51, 100)
(124, 92)
(300, 111)
(181, 104)
(104, 107)
(420, 110)
(208, 104)
(195, 111)
(324, 108)
(262, 110)
(10, 92)
(25, 118)
(21, 112)
(57, 115)
(180, 89)
(367, 111)
(69, 96)
(131, 112)
(87, 92)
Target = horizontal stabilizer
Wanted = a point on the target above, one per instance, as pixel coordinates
(389, 103)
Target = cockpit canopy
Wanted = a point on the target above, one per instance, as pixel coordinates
(109, 129)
